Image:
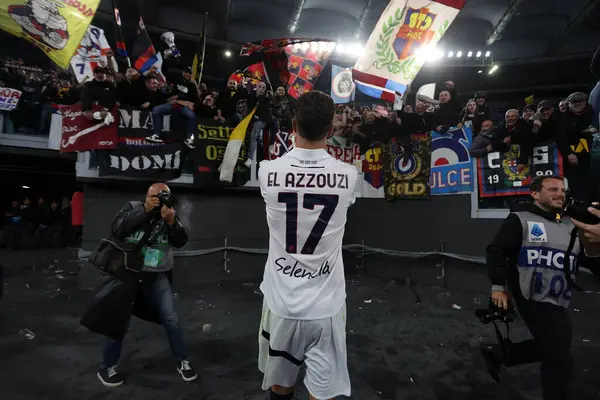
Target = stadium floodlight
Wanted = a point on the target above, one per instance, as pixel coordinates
(478, 54)
(355, 49)
(427, 53)
(470, 54)
(458, 54)
(480, 71)
(26, 187)
(494, 69)
(227, 53)
(488, 53)
(450, 54)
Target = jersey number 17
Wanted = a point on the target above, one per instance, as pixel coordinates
(310, 200)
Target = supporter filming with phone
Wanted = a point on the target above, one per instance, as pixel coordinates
(535, 256)
(144, 288)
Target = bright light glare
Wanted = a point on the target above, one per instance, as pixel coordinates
(459, 54)
(354, 49)
(25, 187)
(488, 53)
(494, 69)
(450, 54)
(427, 53)
(479, 72)
(340, 48)
(470, 54)
(305, 46)
(227, 53)
(478, 54)
(439, 54)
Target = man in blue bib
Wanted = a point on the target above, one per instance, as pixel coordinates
(535, 257)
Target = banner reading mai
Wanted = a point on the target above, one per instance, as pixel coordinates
(498, 174)
(137, 158)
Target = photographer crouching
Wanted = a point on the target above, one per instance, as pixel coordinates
(139, 258)
(535, 256)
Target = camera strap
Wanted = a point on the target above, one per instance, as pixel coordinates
(567, 262)
(503, 341)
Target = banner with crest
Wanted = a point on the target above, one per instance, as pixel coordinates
(498, 174)
(406, 170)
(402, 41)
(55, 26)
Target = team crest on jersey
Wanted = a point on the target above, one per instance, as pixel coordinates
(537, 232)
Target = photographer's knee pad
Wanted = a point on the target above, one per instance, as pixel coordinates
(275, 396)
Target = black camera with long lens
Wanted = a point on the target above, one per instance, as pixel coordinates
(577, 209)
(166, 199)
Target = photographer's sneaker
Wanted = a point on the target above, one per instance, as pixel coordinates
(186, 371)
(154, 138)
(189, 142)
(110, 377)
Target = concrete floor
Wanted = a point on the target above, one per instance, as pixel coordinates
(403, 343)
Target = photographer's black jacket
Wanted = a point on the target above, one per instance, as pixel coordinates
(503, 252)
(132, 220)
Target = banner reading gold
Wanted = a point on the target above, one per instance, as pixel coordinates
(406, 170)
(55, 26)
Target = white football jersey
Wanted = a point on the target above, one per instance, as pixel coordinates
(307, 195)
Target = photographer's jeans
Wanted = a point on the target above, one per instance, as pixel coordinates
(161, 295)
(167, 109)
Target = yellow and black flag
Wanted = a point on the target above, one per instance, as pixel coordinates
(55, 26)
(198, 64)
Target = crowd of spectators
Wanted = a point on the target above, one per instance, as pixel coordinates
(42, 88)
(173, 90)
(26, 225)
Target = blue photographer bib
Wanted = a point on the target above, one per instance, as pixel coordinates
(541, 259)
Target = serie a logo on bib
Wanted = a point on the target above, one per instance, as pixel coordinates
(537, 232)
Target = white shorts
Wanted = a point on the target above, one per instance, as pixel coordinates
(286, 344)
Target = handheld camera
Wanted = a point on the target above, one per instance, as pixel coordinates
(577, 209)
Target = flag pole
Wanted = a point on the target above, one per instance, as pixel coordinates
(120, 40)
(267, 74)
(203, 47)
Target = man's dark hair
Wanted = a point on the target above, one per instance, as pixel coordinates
(314, 115)
(538, 182)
